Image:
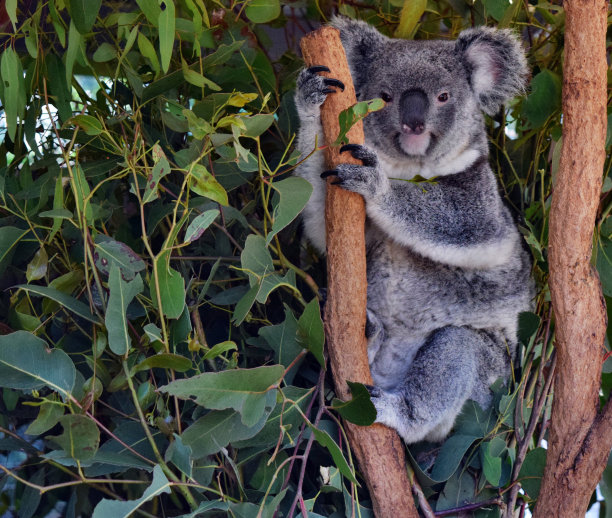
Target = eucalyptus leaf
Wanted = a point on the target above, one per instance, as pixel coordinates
(84, 13)
(119, 509)
(293, 194)
(80, 438)
(244, 390)
(121, 294)
(26, 363)
(68, 302)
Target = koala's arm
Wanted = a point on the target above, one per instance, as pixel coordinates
(458, 219)
(311, 91)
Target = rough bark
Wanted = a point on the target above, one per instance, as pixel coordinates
(379, 450)
(580, 435)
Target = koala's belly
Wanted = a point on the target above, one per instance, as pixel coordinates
(413, 296)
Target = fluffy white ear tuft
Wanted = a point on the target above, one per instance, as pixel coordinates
(496, 64)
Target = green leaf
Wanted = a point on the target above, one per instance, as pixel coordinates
(531, 472)
(13, 90)
(544, 99)
(81, 192)
(88, 123)
(9, 239)
(453, 450)
(257, 124)
(160, 169)
(528, 324)
(148, 51)
(11, 10)
(171, 287)
(282, 338)
(84, 13)
(324, 439)
(349, 117)
(180, 455)
(80, 438)
(219, 349)
(244, 390)
(104, 53)
(293, 194)
(206, 185)
(496, 8)
(151, 10)
(119, 509)
(360, 409)
(27, 364)
(121, 294)
(48, 416)
(208, 434)
(262, 11)
(604, 264)
(37, 267)
(221, 55)
(109, 253)
(70, 303)
(74, 45)
(409, 18)
(166, 27)
(310, 331)
(165, 361)
(197, 227)
(491, 464)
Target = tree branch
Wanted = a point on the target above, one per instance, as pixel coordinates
(578, 446)
(378, 449)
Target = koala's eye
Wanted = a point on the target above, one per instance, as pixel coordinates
(386, 97)
(443, 97)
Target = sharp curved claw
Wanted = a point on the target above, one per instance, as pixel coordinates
(328, 91)
(331, 172)
(318, 68)
(337, 182)
(350, 148)
(334, 82)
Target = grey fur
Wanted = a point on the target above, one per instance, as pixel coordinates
(447, 274)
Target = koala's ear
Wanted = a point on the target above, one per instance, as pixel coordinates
(361, 42)
(496, 65)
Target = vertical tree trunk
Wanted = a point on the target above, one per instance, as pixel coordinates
(378, 449)
(580, 436)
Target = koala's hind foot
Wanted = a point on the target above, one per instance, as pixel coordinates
(441, 378)
(312, 89)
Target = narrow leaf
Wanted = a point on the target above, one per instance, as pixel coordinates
(197, 227)
(121, 294)
(84, 13)
(293, 194)
(166, 28)
(68, 302)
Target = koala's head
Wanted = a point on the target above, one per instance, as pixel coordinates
(434, 91)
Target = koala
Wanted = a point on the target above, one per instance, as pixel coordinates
(447, 271)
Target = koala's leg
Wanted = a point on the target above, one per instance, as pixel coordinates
(442, 376)
(311, 91)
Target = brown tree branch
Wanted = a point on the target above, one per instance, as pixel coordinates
(579, 442)
(378, 449)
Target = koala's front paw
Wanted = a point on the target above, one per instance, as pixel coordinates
(364, 179)
(312, 89)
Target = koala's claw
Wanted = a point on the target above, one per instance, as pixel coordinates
(334, 82)
(362, 153)
(317, 68)
(331, 172)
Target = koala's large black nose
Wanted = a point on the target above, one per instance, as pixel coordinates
(413, 109)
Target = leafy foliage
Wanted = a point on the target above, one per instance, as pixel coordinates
(162, 345)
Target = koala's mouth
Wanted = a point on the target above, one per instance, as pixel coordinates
(414, 145)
